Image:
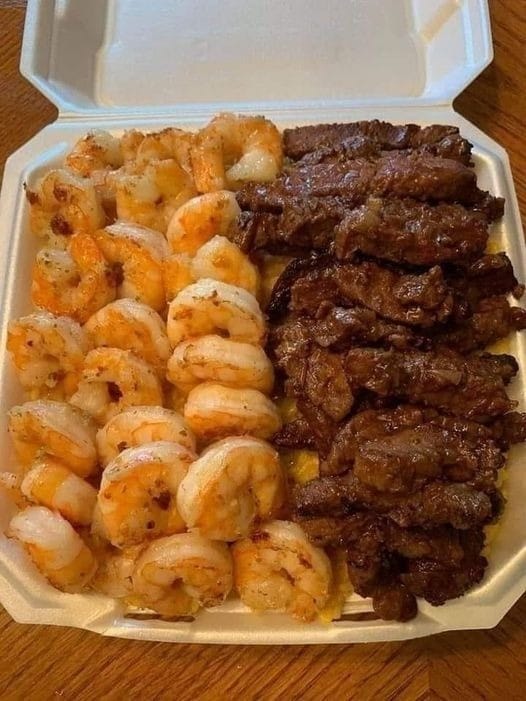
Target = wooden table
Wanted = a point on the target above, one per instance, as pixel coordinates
(45, 662)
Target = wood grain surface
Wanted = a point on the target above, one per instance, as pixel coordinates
(49, 663)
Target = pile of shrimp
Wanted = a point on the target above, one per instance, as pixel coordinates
(144, 468)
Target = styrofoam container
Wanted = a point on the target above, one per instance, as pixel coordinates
(134, 63)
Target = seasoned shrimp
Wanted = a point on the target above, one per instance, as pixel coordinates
(48, 352)
(139, 253)
(277, 568)
(220, 259)
(98, 150)
(210, 306)
(214, 411)
(131, 325)
(51, 484)
(215, 358)
(114, 379)
(55, 429)
(74, 283)
(169, 143)
(177, 575)
(139, 425)
(234, 483)
(177, 274)
(232, 149)
(114, 573)
(150, 197)
(130, 142)
(63, 204)
(137, 497)
(55, 548)
(201, 218)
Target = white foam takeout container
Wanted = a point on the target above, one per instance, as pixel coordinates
(118, 64)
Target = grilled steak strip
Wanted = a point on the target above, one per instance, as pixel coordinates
(437, 503)
(452, 146)
(405, 231)
(494, 318)
(413, 299)
(302, 140)
(472, 387)
(400, 230)
(421, 177)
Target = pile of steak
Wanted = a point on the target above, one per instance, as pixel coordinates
(378, 328)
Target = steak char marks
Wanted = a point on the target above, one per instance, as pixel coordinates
(378, 330)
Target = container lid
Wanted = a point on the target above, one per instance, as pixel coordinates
(153, 56)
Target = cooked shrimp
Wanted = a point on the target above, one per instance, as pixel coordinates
(139, 425)
(278, 569)
(55, 429)
(114, 379)
(74, 283)
(48, 352)
(114, 573)
(130, 142)
(137, 497)
(98, 150)
(176, 576)
(232, 149)
(210, 306)
(214, 411)
(151, 196)
(51, 484)
(177, 274)
(201, 218)
(63, 204)
(55, 548)
(131, 325)
(139, 253)
(220, 259)
(170, 143)
(234, 483)
(215, 358)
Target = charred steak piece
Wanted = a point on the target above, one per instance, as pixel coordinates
(472, 388)
(393, 564)
(306, 283)
(301, 140)
(488, 276)
(296, 434)
(413, 299)
(298, 268)
(400, 230)
(494, 318)
(437, 503)
(405, 231)
(440, 543)
(399, 450)
(437, 582)
(407, 459)
(420, 177)
(300, 223)
(339, 329)
(509, 429)
(452, 146)
(367, 425)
